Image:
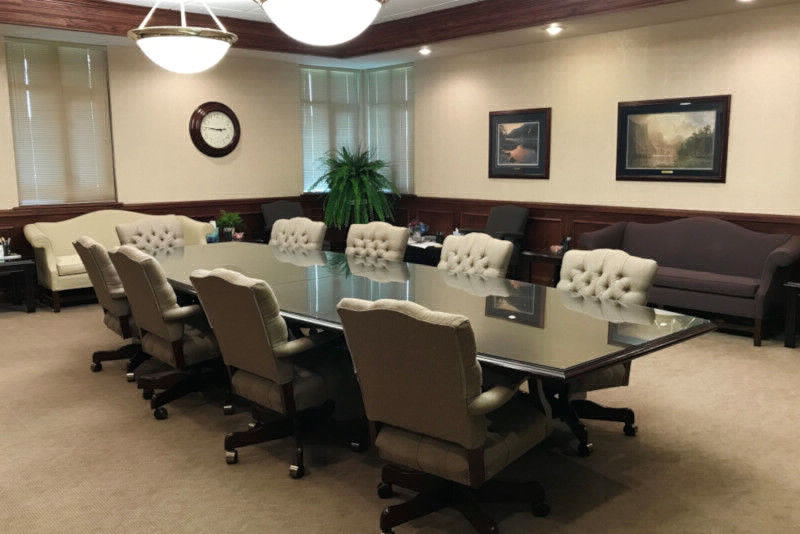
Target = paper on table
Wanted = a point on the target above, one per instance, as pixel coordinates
(424, 244)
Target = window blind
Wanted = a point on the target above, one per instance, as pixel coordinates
(61, 122)
(390, 121)
(380, 118)
(331, 101)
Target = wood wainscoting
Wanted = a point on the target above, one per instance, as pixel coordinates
(548, 223)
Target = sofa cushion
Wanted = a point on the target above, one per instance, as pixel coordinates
(705, 282)
(66, 265)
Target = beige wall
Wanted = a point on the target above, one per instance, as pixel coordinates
(752, 55)
(155, 159)
(8, 171)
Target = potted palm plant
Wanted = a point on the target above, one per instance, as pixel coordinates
(229, 223)
(358, 192)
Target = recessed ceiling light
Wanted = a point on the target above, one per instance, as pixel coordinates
(425, 51)
(554, 29)
(744, 1)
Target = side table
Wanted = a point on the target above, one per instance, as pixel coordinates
(25, 269)
(428, 254)
(544, 255)
(790, 332)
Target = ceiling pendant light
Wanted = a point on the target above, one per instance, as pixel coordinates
(322, 22)
(183, 49)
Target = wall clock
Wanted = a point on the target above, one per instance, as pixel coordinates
(214, 129)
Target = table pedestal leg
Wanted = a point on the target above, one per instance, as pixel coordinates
(570, 417)
(30, 289)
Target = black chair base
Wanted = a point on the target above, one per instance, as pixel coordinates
(173, 384)
(130, 352)
(268, 428)
(586, 409)
(435, 493)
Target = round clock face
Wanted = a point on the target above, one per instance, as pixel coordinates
(217, 129)
(214, 129)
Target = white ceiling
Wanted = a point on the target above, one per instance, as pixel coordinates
(249, 10)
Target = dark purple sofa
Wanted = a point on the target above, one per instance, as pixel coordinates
(708, 264)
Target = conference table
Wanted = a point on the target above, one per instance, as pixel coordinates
(554, 337)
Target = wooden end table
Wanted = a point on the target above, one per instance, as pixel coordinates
(544, 255)
(790, 332)
(26, 270)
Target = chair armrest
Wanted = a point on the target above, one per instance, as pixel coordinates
(182, 313)
(304, 344)
(118, 293)
(494, 398)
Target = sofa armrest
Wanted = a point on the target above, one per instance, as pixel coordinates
(494, 398)
(779, 260)
(44, 254)
(608, 237)
(182, 313)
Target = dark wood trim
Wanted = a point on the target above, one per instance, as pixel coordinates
(98, 16)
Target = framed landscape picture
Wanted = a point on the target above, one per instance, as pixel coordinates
(519, 143)
(676, 140)
(525, 305)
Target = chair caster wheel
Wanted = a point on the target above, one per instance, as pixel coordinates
(227, 409)
(160, 413)
(540, 509)
(130, 377)
(96, 367)
(231, 457)
(385, 491)
(584, 449)
(630, 430)
(358, 446)
(296, 471)
(147, 394)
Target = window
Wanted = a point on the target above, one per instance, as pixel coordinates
(61, 123)
(331, 102)
(390, 121)
(337, 112)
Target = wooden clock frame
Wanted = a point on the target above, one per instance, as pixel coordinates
(196, 121)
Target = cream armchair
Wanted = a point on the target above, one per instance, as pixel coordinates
(59, 268)
(476, 253)
(298, 233)
(440, 435)
(377, 240)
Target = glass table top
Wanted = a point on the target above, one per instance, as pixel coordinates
(541, 330)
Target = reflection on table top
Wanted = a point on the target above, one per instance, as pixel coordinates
(524, 326)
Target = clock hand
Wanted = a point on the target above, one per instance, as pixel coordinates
(217, 129)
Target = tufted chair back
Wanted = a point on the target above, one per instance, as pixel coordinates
(299, 257)
(480, 286)
(476, 253)
(607, 274)
(103, 275)
(298, 233)
(612, 311)
(247, 323)
(153, 235)
(149, 292)
(416, 367)
(378, 269)
(378, 240)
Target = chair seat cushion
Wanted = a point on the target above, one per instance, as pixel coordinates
(608, 377)
(67, 265)
(705, 282)
(513, 430)
(309, 390)
(198, 346)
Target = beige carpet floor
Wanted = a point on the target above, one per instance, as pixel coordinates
(717, 451)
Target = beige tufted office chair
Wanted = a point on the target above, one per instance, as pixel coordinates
(153, 235)
(476, 253)
(298, 233)
(261, 360)
(441, 436)
(116, 310)
(377, 240)
(608, 281)
(166, 330)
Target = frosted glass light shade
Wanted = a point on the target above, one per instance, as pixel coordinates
(322, 22)
(183, 50)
